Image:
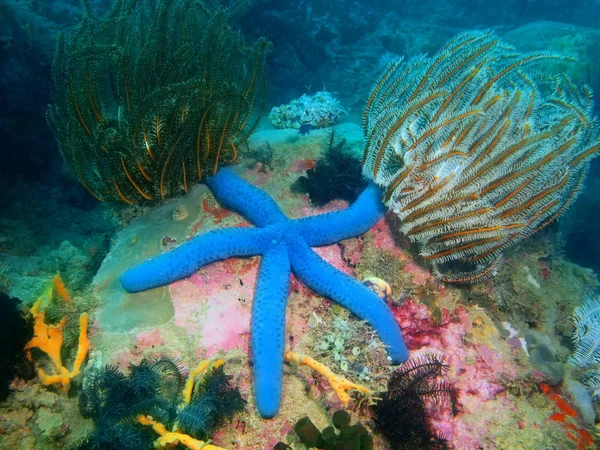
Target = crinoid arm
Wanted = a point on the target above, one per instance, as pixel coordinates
(476, 150)
(154, 96)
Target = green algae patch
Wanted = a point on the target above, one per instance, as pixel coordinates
(146, 236)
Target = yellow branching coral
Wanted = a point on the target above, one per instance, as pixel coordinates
(200, 369)
(61, 289)
(168, 438)
(340, 384)
(154, 96)
(49, 338)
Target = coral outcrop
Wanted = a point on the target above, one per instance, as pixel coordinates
(320, 110)
(499, 397)
(285, 248)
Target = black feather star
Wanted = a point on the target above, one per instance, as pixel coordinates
(337, 175)
(115, 402)
(16, 330)
(213, 401)
(401, 414)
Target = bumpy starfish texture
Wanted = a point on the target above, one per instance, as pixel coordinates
(285, 247)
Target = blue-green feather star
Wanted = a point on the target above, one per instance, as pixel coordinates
(285, 248)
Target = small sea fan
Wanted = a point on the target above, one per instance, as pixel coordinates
(586, 337)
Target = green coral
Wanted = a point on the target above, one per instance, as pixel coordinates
(339, 436)
(154, 96)
(341, 347)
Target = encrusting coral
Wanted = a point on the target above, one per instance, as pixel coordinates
(285, 247)
(475, 150)
(320, 110)
(49, 338)
(154, 96)
(473, 153)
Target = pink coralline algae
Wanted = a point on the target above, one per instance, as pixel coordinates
(352, 251)
(213, 305)
(475, 369)
(148, 339)
(385, 241)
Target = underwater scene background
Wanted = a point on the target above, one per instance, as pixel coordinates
(299, 225)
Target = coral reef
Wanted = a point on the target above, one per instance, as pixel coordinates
(475, 150)
(285, 247)
(320, 110)
(506, 340)
(499, 397)
(143, 115)
(15, 332)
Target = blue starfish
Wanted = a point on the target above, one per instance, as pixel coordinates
(285, 247)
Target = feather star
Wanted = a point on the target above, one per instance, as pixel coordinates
(285, 247)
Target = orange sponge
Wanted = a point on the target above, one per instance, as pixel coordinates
(49, 338)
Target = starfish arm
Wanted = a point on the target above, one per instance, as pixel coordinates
(235, 193)
(358, 218)
(330, 282)
(268, 328)
(190, 256)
